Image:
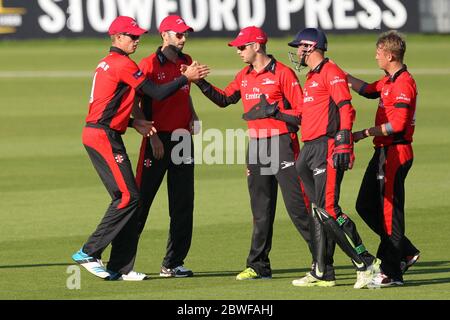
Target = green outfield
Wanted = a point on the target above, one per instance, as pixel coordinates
(51, 198)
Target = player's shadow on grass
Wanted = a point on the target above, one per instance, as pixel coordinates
(420, 268)
(35, 265)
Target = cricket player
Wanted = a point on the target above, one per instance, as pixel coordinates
(174, 114)
(381, 198)
(327, 119)
(271, 96)
(116, 81)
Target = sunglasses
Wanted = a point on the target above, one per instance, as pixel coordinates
(132, 36)
(243, 47)
(179, 35)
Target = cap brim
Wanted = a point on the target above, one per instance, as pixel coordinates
(137, 31)
(179, 29)
(237, 43)
(293, 44)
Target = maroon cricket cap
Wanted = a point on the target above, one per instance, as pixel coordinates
(123, 24)
(247, 35)
(174, 23)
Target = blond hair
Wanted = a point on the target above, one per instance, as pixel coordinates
(393, 42)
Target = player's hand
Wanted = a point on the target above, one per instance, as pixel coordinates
(343, 156)
(157, 147)
(144, 127)
(195, 71)
(263, 109)
(359, 135)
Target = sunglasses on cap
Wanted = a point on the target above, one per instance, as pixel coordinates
(132, 36)
(179, 35)
(243, 47)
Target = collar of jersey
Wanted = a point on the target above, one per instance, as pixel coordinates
(163, 59)
(320, 66)
(117, 50)
(271, 66)
(394, 77)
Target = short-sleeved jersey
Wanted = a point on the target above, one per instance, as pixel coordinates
(326, 102)
(396, 107)
(278, 83)
(113, 90)
(175, 111)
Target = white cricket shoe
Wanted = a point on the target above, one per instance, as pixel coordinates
(130, 276)
(91, 264)
(363, 278)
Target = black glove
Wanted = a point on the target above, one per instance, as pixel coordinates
(343, 156)
(261, 110)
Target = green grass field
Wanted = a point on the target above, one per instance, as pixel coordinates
(51, 198)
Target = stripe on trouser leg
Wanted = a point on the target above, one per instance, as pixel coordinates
(140, 163)
(97, 140)
(330, 185)
(393, 161)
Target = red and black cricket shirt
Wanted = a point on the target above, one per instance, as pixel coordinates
(396, 107)
(278, 83)
(175, 111)
(326, 102)
(114, 86)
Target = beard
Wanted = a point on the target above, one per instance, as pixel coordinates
(175, 49)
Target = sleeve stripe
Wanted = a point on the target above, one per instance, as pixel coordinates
(401, 105)
(389, 128)
(343, 103)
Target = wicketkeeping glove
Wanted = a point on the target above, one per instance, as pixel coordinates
(263, 109)
(343, 156)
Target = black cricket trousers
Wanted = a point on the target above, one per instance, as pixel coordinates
(119, 224)
(263, 179)
(381, 204)
(322, 185)
(180, 188)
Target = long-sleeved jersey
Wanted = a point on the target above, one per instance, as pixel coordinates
(276, 81)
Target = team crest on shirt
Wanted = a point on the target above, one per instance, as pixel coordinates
(244, 83)
(137, 74)
(147, 163)
(161, 75)
(119, 158)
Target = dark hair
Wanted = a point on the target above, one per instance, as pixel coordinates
(263, 47)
